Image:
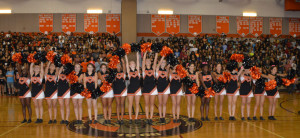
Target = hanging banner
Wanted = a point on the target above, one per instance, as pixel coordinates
(294, 27)
(173, 24)
(222, 23)
(91, 23)
(68, 22)
(275, 26)
(158, 24)
(113, 23)
(195, 24)
(242, 25)
(256, 26)
(46, 23)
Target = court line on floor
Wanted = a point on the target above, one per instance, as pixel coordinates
(286, 108)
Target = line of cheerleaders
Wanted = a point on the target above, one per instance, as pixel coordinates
(159, 80)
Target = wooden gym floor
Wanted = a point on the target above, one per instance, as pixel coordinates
(286, 125)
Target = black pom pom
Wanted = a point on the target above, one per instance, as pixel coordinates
(24, 58)
(188, 82)
(291, 74)
(172, 60)
(120, 52)
(77, 87)
(201, 92)
(68, 68)
(57, 60)
(96, 93)
(111, 76)
(156, 47)
(135, 47)
(247, 63)
(260, 83)
(278, 81)
(218, 87)
(231, 65)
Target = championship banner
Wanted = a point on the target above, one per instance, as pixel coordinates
(173, 24)
(222, 23)
(275, 26)
(158, 24)
(91, 23)
(294, 27)
(195, 24)
(46, 23)
(242, 25)
(113, 23)
(256, 26)
(68, 22)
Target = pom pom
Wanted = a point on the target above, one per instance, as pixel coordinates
(146, 47)
(105, 86)
(135, 47)
(77, 87)
(86, 93)
(65, 59)
(218, 87)
(172, 60)
(231, 65)
(255, 73)
(222, 79)
(166, 51)
(237, 57)
(201, 92)
(247, 63)
(181, 71)
(227, 76)
(278, 81)
(17, 58)
(109, 56)
(114, 61)
(156, 47)
(72, 77)
(209, 92)
(188, 81)
(287, 82)
(194, 88)
(111, 76)
(30, 58)
(50, 56)
(291, 74)
(127, 48)
(119, 52)
(260, 83)
(270, 85)
(96, 93)
(68, 68)
(24, 58)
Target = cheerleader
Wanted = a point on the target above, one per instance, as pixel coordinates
(259, 94)
(106, 98)
(206, 81)
(149, 85)
(25, 93)
(37, 93)
(245, 92)
(218, 95)
(134, 89)
(76, 97)
(176, 93)
(51, 90)
(190, 97)
(90, 80)
(272, 95)
(163, 88)
(2, 82)
(120, 90)
(63, 95)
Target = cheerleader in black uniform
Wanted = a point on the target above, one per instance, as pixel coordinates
(2, 82)
(190, 97)
(134, 88)
(63, 95)
(163, 87)
(149, 86)
(120, 90)
(246, 92)
(206, 81)
(259, 94)
(37, 93)
(272, 95)
(90, 79)
(51, 90)
(219, 95)
(176, 93)
(76, 97)
(25, 93)
(106, 98)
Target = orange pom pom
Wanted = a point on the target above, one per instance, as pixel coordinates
(181, 71)
(30, 58)
(86, 93)
(270, 85)
(209, 92)
(194, 89)
(109, 56)
(146, 47)
(17, 58)
(65, 59)
(127, 48)
(114, 61)
(50, 56)
(255, 73)
(166, 51)
(237, 57)
(287, 82)
(222, 79)
(105, 86)
(72, 77)
(227, 76)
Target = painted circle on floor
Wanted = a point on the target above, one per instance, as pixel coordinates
(140, 129)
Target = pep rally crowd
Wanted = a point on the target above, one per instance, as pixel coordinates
(166, 71)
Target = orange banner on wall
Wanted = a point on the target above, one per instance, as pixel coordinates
(158, 24)
(222, 24)
(294, 26)
(46, 23)
(195, 24)
(173, 24)
(113, 23)
(256, 26)
(242, 25)
(68, 22)
(275, 26)
(91, 23)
